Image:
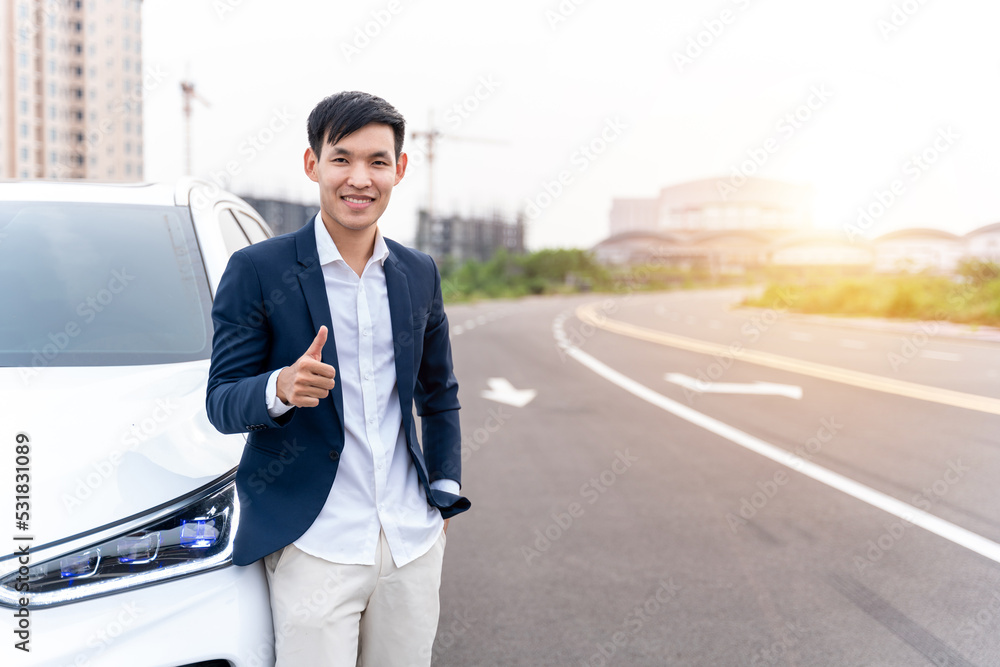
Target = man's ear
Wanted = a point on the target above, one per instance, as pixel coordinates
(309, 162)
(401, 167)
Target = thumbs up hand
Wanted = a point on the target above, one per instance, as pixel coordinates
(308, 380)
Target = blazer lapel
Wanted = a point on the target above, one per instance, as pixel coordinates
(310, 276)
(401, 314)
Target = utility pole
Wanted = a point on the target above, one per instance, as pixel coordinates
(187, 89)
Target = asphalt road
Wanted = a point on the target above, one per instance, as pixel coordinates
(611, 525)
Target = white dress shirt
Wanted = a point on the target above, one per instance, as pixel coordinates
(376, 484)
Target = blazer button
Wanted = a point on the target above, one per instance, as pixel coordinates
(334, 455)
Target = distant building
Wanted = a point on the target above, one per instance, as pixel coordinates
(717, 204)
(462, 239)
(821, 248)
(71, 83)
(918, 249)
(634, 215)
(282, 216)
(983, 243)
(715, 224)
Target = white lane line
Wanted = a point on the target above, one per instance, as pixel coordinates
(470, 324)
(853, 344)
(753, 388)
(457, 330)
(943, 356)
(866, 494)
(481, 320)
(800, 335)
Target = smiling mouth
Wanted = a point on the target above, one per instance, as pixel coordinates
(357, 203)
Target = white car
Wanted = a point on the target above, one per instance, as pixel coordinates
(118, 493)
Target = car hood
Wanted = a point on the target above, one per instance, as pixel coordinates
(110, 442)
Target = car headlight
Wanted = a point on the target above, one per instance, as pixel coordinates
(191, 535)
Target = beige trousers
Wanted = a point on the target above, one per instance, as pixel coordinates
(333, 615)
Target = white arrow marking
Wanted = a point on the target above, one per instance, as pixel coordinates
(502, 391)
(760, 388)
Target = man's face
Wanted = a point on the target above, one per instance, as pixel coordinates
(356, 176)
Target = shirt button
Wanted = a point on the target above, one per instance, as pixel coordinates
(368, 376)
(365, 332)
(371, 420)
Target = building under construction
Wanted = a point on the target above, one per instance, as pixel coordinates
(463, 238)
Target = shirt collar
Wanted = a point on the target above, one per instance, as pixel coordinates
(328, 251)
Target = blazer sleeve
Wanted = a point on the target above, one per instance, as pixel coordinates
(436, 396)
(235, 399)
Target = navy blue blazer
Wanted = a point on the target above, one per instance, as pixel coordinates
(269, 306)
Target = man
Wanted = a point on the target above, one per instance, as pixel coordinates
(325, 339)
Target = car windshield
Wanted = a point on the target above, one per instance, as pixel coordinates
(100, 285)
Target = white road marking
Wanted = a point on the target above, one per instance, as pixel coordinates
(481, 319)
(457, 330)
(758, 388)
(866, 494)
(943, 356)
(800, 335)
(502, 391)
(470, 324)
(853, 344)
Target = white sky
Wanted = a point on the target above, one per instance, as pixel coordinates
(557, 86)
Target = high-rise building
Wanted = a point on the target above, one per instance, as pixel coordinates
(71, 82)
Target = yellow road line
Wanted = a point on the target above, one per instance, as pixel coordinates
(589, 314)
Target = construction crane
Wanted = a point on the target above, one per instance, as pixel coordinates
(187, 88)
(432, 135)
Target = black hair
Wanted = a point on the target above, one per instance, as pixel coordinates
(339, 115)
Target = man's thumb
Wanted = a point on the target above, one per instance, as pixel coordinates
(316, 348)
